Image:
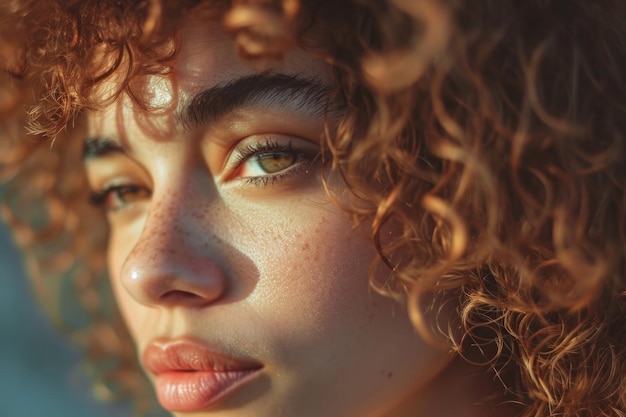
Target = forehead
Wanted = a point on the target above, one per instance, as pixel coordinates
(207, 56)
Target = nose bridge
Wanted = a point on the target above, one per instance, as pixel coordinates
(172, 262)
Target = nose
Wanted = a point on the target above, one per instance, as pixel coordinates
(173, 264)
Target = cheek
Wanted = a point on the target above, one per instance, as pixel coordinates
(327, 327)
(312, 270)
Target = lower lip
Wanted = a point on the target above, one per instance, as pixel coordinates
(186, 391)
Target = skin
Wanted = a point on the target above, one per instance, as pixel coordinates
(268, 271)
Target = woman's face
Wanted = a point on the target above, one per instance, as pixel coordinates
(244, 287)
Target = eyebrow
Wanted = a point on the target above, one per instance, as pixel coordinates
(280, 90)
(96, 147)
(270, 90)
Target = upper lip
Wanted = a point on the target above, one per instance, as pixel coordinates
(187, 354)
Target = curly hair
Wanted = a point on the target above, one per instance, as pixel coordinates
(491, 133)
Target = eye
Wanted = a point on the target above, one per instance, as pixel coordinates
(272, 162)
(118, 197)
(260, 160)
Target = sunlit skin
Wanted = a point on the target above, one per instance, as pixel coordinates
(223, 232)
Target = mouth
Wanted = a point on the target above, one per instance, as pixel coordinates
(189, 376)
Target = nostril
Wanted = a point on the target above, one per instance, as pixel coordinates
(178, 296)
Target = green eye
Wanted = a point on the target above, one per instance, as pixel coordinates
(267, 159)
(276, 161)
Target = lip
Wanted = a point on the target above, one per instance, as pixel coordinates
(189, 376)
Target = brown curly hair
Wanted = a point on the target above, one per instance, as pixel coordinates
(491, 132)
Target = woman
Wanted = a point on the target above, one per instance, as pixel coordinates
(252, 166)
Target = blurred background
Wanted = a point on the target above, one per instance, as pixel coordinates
(39, 369)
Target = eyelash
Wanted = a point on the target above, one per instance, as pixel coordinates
(304, 159)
